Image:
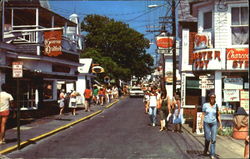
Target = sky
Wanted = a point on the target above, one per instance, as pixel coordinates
(135, 13)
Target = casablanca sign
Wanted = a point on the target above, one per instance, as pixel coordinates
(53, 43)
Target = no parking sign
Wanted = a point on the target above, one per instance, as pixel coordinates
(17, 69)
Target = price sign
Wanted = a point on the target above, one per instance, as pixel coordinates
(17, 69)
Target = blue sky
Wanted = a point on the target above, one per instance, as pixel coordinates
(135, 13)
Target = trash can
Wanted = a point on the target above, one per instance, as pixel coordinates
(240, 120)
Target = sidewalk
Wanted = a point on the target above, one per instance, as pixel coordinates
(226, 146)
(46, 126)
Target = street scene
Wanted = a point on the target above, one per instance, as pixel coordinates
(124, 79)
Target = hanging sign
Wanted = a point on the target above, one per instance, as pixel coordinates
(17, 69)
(237, 58)
(164, 42)
(53, 43)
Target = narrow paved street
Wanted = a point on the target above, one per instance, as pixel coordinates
(119, 132)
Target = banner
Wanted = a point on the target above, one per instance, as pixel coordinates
(53, 43)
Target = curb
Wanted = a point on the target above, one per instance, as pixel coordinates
(32, 140)
(193, 136)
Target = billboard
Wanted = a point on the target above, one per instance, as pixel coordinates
(53, 43)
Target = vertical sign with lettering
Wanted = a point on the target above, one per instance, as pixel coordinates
(17, 69)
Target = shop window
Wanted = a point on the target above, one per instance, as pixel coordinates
(239, 26)
(207, 20)
(193, 93)
(48, 90)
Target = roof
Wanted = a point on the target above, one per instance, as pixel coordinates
(86, 64)
(45, 15)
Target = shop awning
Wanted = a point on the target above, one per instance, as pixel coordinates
(192, 84)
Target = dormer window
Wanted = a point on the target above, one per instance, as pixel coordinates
(207, 20)
(239, 26)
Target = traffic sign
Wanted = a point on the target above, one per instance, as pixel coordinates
(17, 69)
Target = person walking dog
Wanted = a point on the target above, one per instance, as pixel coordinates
(210, 119)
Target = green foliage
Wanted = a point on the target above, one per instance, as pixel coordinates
(118, 48)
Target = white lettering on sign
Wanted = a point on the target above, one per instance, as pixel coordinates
(206, 82)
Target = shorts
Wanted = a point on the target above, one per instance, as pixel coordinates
(88, 100)
(5, 113)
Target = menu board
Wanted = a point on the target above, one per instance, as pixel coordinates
(244, 100)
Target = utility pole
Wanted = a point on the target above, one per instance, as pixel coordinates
(174, 46)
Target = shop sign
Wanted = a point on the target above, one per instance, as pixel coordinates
(244, 100)
(164, 42)
(17, 69)
(237, 58)
(231, 95)
(209, 59)
(53, 43)
(205, 77)
(201, 41)
(233, 83)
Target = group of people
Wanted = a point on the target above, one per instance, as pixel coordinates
(169, 110)
(99, 95)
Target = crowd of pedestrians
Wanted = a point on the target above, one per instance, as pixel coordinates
(169, 109)
(97, 95)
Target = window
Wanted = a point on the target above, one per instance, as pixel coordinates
(207, 20)
(48, 90)
(239, 25)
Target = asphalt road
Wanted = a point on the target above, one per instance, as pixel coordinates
(122, 131)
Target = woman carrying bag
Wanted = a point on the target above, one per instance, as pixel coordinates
(178, 114)
(209, 119)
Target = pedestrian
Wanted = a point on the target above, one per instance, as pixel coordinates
(164, 109)
(101, 94)
(72, 102)
(6, 101)
(152, 106)
(95, 95)
(146, 101)
(178, 114)
(87, 95)
(61, 101)
(210, 118)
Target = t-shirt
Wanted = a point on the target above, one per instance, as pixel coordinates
(210, 113)
(153, 100)
(5, 99)
(95, 92)
(87, 93)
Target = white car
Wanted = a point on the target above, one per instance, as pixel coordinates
(136, 92)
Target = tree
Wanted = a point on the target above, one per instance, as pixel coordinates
(118, 48)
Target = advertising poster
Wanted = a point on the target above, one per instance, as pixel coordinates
(231, 95)
(244, 100)
(199, 130)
